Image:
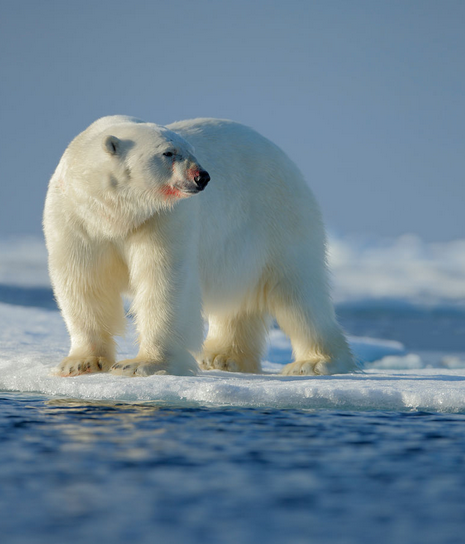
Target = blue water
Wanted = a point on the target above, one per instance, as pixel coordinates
(75, 472)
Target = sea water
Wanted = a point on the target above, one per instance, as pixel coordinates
(376, 456)
(79, 471)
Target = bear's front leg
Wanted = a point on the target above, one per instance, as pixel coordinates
(167, 301)
(88, 280)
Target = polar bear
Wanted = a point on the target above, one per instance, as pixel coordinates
(123, 213)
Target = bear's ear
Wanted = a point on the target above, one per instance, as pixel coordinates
(112, 145)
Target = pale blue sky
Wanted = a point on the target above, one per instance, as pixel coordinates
(368, 97)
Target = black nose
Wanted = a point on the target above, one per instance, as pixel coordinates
(201, 179)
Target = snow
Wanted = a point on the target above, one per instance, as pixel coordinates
(33, 339)
(404, 269)
(23, 262)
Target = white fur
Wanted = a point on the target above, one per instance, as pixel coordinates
(251, 246)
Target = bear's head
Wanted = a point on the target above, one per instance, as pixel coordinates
(121, 171)
(151, 162)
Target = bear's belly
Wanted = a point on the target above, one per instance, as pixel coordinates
(232, 265)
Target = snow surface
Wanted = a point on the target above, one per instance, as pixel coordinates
(33, 339)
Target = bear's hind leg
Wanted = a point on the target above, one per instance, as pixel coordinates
(304, 311)
(235, 343)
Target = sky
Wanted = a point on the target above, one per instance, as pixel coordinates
(367, 97)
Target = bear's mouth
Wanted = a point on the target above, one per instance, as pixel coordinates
(173, 191)
(189, 188)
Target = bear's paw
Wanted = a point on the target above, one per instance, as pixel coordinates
(75, 366)
(228, 362)
(178, 364)
(137, 367)
(319, 368)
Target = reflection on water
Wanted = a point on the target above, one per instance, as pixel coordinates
(85, 423)
(76, 471)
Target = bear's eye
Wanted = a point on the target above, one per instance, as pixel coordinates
(168, 154)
